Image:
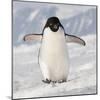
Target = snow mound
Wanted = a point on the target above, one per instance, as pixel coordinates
(81, 80)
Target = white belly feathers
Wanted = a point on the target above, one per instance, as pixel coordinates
(53, 57)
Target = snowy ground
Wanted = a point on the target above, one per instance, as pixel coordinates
(81, 80)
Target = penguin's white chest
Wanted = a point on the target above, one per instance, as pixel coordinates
(53, 57)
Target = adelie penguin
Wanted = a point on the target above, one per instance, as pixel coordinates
(53, 55)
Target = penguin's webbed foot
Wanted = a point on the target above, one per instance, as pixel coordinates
(61, 81)
(46, 81)
(50, 81)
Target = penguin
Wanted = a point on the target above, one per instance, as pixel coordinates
(53, 53)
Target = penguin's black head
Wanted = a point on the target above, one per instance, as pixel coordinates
(53, 23)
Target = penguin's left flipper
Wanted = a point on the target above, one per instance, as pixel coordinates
(74, 39)
(31, 37)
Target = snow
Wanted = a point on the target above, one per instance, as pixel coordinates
(81, 24)
(33, 15)
(70, 11)
(27, 75)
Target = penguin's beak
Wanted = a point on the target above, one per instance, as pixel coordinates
(55, 27)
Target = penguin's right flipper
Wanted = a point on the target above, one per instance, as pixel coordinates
(31, 37)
